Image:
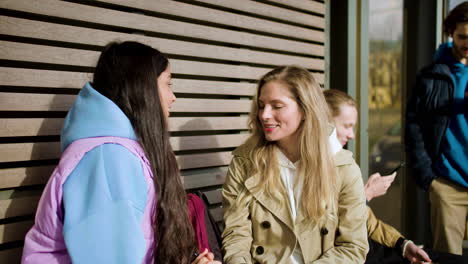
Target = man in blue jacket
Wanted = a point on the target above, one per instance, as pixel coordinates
(437, 134)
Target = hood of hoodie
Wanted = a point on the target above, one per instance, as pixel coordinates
(444, 55)
(94, 115)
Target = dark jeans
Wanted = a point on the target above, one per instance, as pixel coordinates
(380, 254)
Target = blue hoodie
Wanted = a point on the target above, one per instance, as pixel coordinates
(453, 161)
(105, 195)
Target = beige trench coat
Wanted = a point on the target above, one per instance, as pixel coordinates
(259, 230)
(381, 232)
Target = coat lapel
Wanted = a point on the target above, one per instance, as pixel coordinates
(282, 212)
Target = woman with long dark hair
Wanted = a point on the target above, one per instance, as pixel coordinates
(116, 195)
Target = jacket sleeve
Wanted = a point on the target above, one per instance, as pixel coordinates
(381, 232)
(104, 200)
(414, 141)
(237, 235)
(351, 244)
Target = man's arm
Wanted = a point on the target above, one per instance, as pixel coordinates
(414, 141)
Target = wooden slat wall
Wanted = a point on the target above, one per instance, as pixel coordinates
(217, 48)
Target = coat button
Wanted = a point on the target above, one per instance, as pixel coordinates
(266, 224)
(323, 231)
(260, 250)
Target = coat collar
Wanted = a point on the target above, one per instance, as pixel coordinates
(280, 210)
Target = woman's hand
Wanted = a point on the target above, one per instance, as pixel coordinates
(378, 185)
(205, 257)
(416, 254)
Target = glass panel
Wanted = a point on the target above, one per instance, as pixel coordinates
(385, 72)
(454, 3)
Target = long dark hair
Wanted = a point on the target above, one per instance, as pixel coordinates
(127, 73)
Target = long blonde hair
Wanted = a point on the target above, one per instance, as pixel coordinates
(316, 168)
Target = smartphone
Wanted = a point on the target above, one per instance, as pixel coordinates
(402, 164)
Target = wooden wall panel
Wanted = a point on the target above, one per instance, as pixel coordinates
(218, 49)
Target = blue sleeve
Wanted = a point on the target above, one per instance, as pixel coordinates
(104, 199)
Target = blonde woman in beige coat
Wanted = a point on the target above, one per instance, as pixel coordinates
(292, 194)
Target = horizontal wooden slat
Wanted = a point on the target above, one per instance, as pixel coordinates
(213, 87)
(51, 150)
(85, 58)
(225, 18)
(204, 160)
(29, 151)
(276, 12)
(309, 6)
(207, 123)
(18, 206)
(217, 213)
(11, 255)
(57, 32)
(207, 142)
(146, 23)
(35, 102)
(65, 79)
(14, 231)
(15, 177)
(17, 231)
(214, 196)
(194, 179)
(22, 127)
(61, 102)
(43, 78)
(28, 205)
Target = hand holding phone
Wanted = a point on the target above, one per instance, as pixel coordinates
(401, 165)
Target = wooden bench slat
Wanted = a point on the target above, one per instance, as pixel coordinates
(18, 206)
(27, 205)
(15, 177)
(310, 6)
(207, 123)
(192, 179)
(138, 22)
(22, 127)
(35, 102)
(204, 160)
(14, 231)
(63, 102)
(43, 78)
(204, 177)
(207, 142)
(227, 18)
(65, 79)
(85, 58)
(29, 151)
(217, 213)
(278, 12)
(51, 150)
(58, 32)
(214, 196)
